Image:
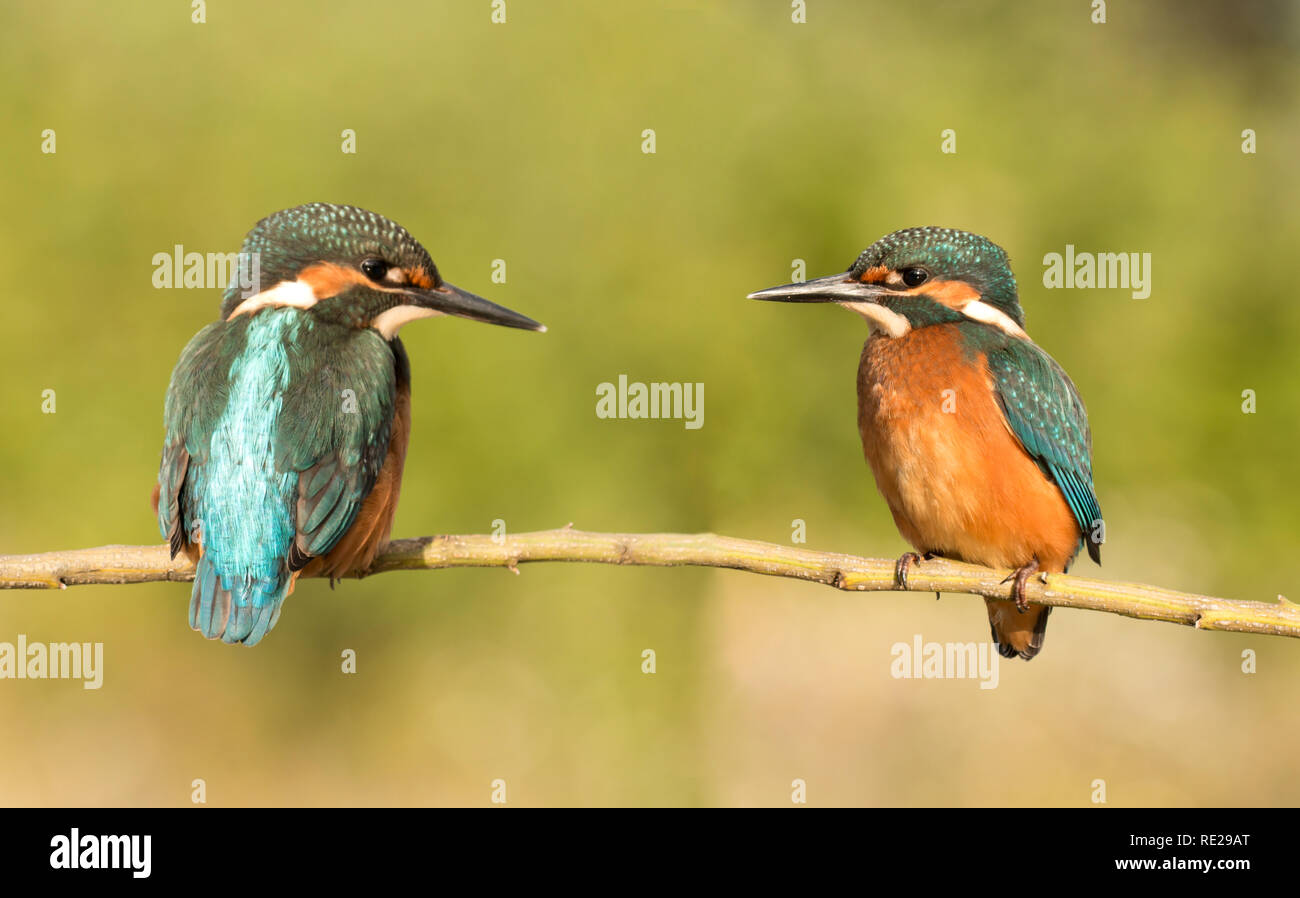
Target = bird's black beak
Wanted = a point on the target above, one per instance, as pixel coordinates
(843, 288)
(451, 300)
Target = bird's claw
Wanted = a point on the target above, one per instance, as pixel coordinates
(1021, 577)
(903, 565)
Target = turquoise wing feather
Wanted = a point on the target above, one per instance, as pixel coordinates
(334, 433)
(1048, 417)
(196, 397)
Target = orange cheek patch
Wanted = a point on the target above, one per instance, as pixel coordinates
(953, 294)
(875, 275)
(419, 277)
(327, 279)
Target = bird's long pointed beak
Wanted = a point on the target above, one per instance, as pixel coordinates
(835, 288)
(451, 300)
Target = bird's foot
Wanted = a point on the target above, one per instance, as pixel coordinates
(1021, 577)
(904, 565)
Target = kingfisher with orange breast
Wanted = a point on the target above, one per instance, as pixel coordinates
(287, 420)
(977, 438)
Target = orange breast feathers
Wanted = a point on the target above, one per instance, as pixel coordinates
(956, 478)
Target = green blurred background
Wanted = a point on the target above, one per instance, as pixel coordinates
(775, 141)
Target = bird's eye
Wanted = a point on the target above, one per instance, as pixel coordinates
(375, 269)
(914, 277)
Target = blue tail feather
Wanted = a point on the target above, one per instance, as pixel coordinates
(209, 602)
(235, 608)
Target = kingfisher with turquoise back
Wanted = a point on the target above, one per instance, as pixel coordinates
(978, 440)
(287, 420)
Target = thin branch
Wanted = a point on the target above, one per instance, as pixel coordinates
(143, 564)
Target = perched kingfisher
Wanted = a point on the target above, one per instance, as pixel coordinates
(977, 438)
(288, 418)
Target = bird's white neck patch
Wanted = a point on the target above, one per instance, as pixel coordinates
(983, 312)
(882, 320)
(297, 294)
(388, 323)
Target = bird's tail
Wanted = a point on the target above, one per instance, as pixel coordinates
(1018, 633)
(235, 608)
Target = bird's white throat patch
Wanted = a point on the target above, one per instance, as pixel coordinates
(388, 323)
(882, 320)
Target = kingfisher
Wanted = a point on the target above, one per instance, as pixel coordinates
(287, 419)
(978, 440)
